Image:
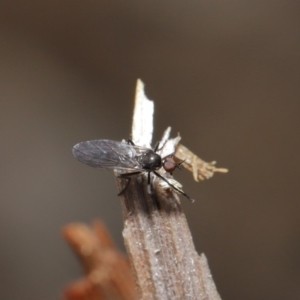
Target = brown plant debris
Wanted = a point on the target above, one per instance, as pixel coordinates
(201, 169)
(108, 275)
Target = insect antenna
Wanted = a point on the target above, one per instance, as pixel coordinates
(178, 164)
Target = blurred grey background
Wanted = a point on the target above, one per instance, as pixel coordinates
(225, 74)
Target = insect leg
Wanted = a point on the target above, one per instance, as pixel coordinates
(128, 178)
(172, 186)
(149, 184)
(130, 142)
(157, 145)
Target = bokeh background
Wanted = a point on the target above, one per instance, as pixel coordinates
(225, 74)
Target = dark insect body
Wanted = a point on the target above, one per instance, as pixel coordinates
(133, 159)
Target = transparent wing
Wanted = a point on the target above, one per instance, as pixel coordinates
(107, 154)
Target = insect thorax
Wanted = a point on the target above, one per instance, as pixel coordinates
(150, 160)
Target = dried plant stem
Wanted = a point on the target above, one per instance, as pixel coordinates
(158, 240)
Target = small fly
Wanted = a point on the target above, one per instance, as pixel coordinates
(133, 159)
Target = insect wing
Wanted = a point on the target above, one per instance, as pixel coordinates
(108, 154)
